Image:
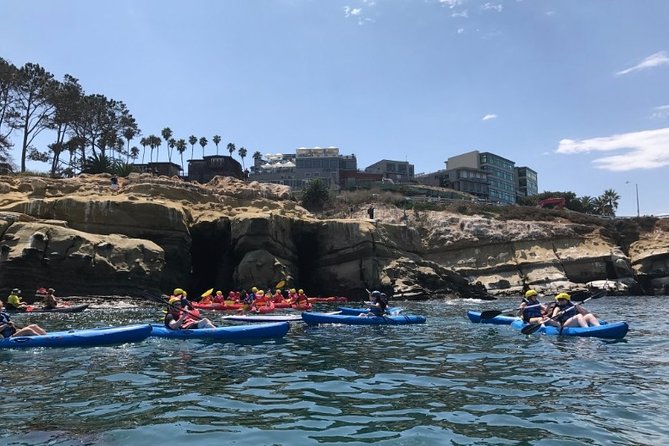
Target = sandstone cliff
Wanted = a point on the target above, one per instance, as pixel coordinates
(157, 233)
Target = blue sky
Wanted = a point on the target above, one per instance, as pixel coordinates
(575, 89)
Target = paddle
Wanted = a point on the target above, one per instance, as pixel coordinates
(207, 293)
(164, 302)
(280, 285)
(531, 328)
(489, 314)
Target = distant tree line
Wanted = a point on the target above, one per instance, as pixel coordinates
(91, 133)
(606, 204)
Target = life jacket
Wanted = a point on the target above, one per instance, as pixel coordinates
(568, 310)
(188, 322)
(4, 319)
(531, 311)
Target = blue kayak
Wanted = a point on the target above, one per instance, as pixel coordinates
(613, 330)
(81, 338)
(356, 311)
(230, 333)
(475, 316)
(312, 318)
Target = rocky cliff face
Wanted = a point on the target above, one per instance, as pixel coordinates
(159, 233)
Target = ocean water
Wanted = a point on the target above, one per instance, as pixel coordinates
(446, 382)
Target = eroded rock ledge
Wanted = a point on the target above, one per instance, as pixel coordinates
(158, 233)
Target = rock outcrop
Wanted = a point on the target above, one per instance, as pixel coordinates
(157, 233)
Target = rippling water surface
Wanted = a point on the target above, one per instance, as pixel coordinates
(446, 382)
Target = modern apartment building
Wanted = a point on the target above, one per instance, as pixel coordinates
(398, 171)
(527, 182)
(501, 177)
(484, 175)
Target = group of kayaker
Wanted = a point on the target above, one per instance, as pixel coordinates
(255, 299)
(561, 313)
(16, 303)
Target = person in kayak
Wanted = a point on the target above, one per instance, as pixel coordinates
(531, 310)
(568, 314)
(50, 301)
(14, 301)
(178, 318)
(381, 305)
(8, 329)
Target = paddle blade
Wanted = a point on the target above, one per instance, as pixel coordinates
(281, 284)
(207, 293)
(489, 314)
(531, 328)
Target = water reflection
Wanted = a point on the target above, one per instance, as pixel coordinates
(446, 382)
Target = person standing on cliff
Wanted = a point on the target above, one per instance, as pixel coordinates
(114, 184)
(370, 212)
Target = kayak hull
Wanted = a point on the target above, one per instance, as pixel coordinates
(350, 311)
(475, 317)
(230, 333)
(271, 318)
(92, 337)
(324, 318)
(63, 309)
(613, 330)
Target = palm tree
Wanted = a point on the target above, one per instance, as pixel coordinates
(242, 154)
(134, 153)
(257, 157)
(192, 140)
(129, 133)
(171, 143)
(167, 134)
(144, 142)
(586, 204)
(231, 148)
(216, 140)
(203, 143)
(611, 198)
(154, 142)
(181, 148)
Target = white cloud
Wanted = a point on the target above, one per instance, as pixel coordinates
(450, 3)
(647, 149)
(460, 30)
(654, 60)
(464, 14)
(491, 7)
(489, 116)
(352, 12)
(660, 112)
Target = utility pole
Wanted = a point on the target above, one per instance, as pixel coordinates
(637, 200)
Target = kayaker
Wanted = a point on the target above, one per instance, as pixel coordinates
(564, 313)
(219, 298)
(14, 301)
(8, 329)
(374, 296)
(531, 310)
(181, 319)
(50, 301)
(182, 295)
(380, 305)
(301, 299)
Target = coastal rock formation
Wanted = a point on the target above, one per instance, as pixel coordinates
(157, 233)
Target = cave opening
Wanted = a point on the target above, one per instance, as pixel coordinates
(211, 265)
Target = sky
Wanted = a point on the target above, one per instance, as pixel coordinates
(577, 90)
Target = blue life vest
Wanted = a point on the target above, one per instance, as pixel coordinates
(568, 310)
(4, 319)
(532, 311)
